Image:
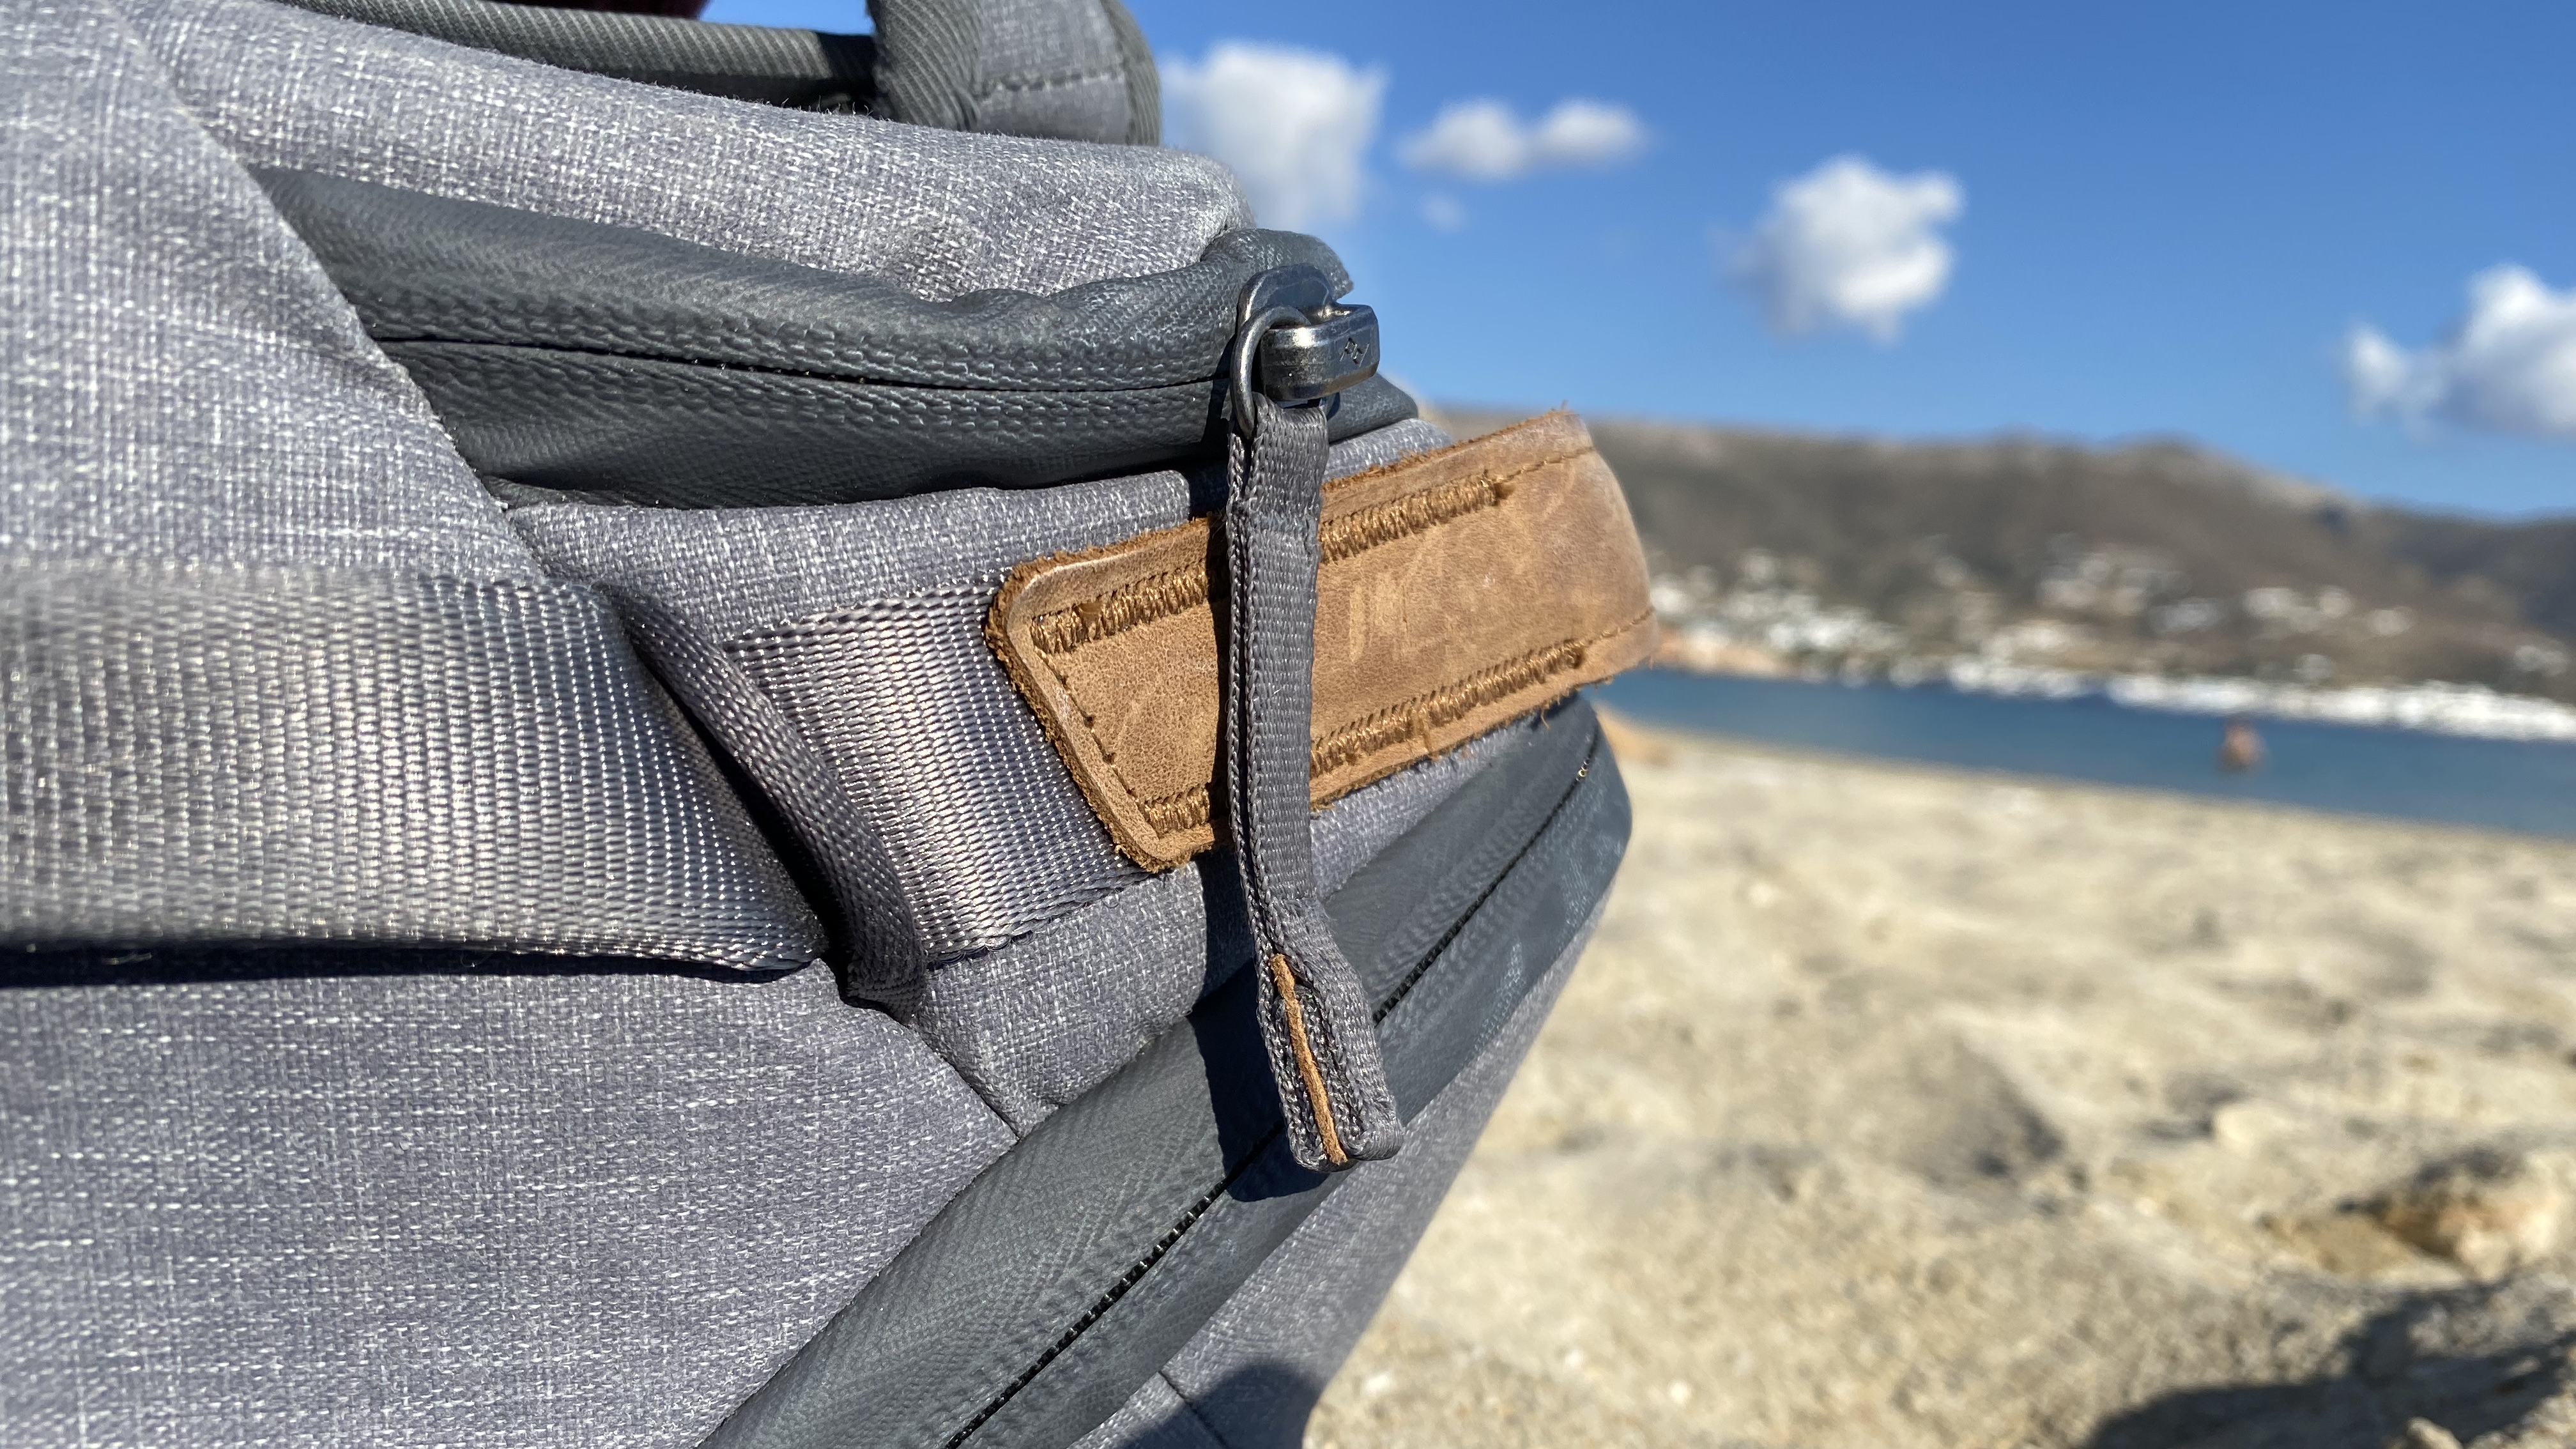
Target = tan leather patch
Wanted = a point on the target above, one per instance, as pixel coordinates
(1460, 589)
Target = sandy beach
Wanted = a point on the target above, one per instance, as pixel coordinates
(1896, 1107)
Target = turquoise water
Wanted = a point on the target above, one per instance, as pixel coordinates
(2502, 784)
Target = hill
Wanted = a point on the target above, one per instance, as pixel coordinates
(1799, 551)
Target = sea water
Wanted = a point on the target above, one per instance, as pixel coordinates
(2502, 784)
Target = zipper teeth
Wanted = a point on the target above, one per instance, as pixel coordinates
(1431, 957)
(996, 382)
(1109, 1297)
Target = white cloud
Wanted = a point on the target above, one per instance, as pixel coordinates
(1295, 126)
(1849, 245)
(2509, 366)
(1443, 212)
(1484, 141)
(1588, 133)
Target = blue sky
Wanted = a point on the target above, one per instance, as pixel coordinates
(2174, 217)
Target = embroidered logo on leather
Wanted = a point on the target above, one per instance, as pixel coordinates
(1460, 589)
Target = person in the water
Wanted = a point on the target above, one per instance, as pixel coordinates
(2240, 749)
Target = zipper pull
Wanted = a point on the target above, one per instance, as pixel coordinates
(1294, 349)
(1294, 344)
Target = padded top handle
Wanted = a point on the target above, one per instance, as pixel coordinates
(1073, 70)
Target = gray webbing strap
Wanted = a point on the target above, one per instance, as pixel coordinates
(199, 756)
(1315, 1018)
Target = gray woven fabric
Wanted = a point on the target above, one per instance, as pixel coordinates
(606, 360)
(1315, 1018)
(1055, 68)
(1040, 1021)
(1144, 78)
(880, 949)
(435, 269)
(1356, 827)
(932, 59)
(865, 623)
(735, 570)
(178, 380)
(222, 755)
(1075, 1268)
(464, 1210)
(936, 213)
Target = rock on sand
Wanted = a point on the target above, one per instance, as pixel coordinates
(1896, 1107)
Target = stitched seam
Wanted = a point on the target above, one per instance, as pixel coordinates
(1285, 979)
(1172, 814)
(1173, 591)
(831, 367)
(830, 359)
(1418, 716)
(1198, 1414)
(1128, 606)
(1019, 84)
(1421, 512)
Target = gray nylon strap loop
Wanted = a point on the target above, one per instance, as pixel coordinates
(880, 940)
(1315, 1019)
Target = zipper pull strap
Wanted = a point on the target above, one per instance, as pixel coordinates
(1316, 1022)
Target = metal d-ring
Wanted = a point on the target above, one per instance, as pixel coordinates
(1247, 355)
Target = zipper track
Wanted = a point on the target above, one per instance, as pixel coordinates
(1127, 1281)
(1430, 958)
(1109, 1298)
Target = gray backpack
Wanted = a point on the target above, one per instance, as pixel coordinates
(723, 736)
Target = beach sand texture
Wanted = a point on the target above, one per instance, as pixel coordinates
(1897, 1107)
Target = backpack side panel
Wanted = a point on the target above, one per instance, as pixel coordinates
(378, 1205)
